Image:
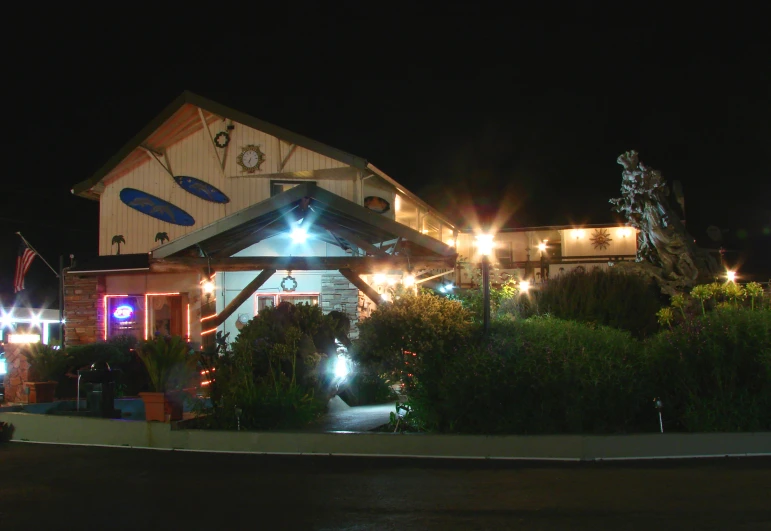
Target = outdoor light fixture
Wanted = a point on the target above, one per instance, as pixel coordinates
(385, 297)
(451, 242)
(6, 319)
(409, 280)
(23, 338)
(624, 232)
(579, 233)
(380, 278)
(542, 247)
(731, 276)
(447, 288)
(36, 321)
(341, 367)
(208, 287)
(299, 235)
(485, 244)
(524, 286)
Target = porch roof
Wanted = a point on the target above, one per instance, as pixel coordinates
(322, 214)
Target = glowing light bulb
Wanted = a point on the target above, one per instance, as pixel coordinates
(208, 287)
(485, 244)
(409, 280)
(299, 235)
(542, 247)
(524, 286)
(380, 278)
(731, 276)
(341, 367)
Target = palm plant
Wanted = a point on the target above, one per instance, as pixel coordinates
(170, 363)
(161, 237)
(46, 364)
(118, 238)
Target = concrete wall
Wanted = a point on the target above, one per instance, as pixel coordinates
(79, 430)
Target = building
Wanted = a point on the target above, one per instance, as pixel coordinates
(208, 215)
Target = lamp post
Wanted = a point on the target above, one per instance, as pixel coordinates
(485, 245)
(542, 248)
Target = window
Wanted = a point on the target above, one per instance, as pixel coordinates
(125, 316)
(503, 253)
(167, 315)
(269, 301)
(278, 187)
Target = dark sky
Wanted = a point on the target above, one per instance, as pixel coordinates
(514, 110)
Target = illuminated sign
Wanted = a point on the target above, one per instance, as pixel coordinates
(24, 338)
(123, 312)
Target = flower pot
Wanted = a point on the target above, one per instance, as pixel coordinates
(161, 407)
(41, 392)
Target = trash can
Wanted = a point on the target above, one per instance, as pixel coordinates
(100, 399)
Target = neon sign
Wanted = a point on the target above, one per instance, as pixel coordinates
(123, 312)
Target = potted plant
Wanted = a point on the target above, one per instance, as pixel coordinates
(170, 363)
(46, 365)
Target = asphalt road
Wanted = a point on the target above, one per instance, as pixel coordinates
(58, 487)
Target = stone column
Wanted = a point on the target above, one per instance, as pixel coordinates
(17, 373)
(83, 309)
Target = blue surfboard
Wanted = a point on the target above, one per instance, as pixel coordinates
(155, 207)
(201, 189)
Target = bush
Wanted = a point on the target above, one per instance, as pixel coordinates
(119, 353)
(611, 298)
(713, 373)
(363, 389)
(399, 336)
(542, 375)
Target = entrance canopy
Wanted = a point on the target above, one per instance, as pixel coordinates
(373, 240)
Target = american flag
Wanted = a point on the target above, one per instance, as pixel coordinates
(23, 261)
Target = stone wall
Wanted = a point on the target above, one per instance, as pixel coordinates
(339, 294)
(17, 373)
(83, 309)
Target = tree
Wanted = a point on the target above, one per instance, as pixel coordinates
(161, 237)
(118, 239)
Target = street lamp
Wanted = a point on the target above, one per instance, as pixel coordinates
(485, 245)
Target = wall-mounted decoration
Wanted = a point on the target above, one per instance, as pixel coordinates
(118, 239)
(201, 189)
(222, 139)
(289, 283)
(377, 204)
(161, 237)
(251, 158)
(601, 239)
(155, 207)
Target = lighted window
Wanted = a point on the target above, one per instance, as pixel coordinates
(125, 316)
(406, 212)
(270, 301)
(167, 315)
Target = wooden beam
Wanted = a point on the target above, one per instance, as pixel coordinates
(349, 236)
(211, 139)
(365, 288)
(360, 264)
(155, 155)
(286, 158)
(239, 299)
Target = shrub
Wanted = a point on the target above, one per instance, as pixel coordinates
(542, 375)
(363, 389)
(713, 373)
(611, 298)
(45, 363)
(399, 336)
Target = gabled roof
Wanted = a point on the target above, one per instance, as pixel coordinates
(325, 216)
(181, 118)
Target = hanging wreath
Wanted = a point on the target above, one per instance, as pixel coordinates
(291, 279)
(226, 139)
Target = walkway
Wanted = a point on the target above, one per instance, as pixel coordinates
(342, 417)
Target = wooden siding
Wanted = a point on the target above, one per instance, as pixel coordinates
(195, 156)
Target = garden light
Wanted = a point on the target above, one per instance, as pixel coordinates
(341, 367)
(731, 276)
(524, 286)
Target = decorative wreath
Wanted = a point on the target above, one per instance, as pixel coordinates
(225, 142)
(292, 280)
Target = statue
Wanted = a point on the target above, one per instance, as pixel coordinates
(662, 239)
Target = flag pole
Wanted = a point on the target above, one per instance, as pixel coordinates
(38, 254)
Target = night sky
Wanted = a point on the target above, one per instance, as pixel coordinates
(519, 112)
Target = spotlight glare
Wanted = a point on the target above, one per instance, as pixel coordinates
(299, 235)
(208, 287)
(524, 286)
(380, 278)
(409, 280)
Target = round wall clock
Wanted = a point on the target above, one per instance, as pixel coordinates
(251, 158)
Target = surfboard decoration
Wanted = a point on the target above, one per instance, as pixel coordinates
(201, 189)
(378, 204)
(155, 207)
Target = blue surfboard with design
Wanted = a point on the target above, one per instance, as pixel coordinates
(155, 207)
(201, 189)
